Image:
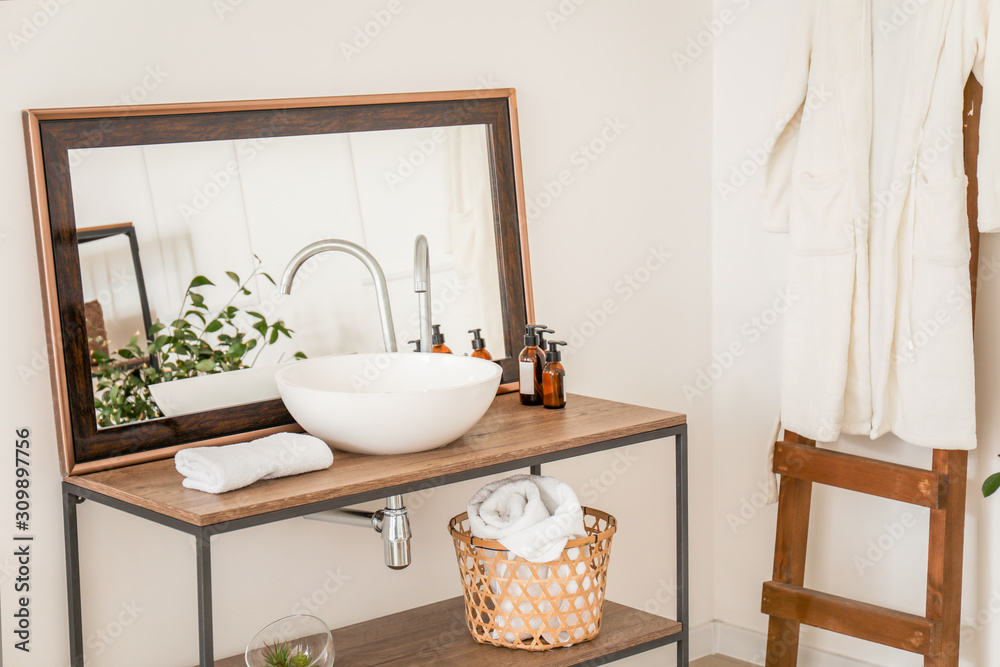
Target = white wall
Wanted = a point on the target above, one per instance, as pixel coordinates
(597, 70)
(859, 547)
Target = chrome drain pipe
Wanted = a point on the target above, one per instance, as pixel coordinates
(392, 522)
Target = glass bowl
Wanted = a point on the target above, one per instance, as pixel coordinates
(302, 640)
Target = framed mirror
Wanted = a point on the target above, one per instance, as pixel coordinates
(162, 229)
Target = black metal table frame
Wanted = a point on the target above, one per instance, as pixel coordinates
(73, 495)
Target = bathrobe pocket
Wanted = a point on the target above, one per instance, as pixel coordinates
(941, 222)
(820, 216)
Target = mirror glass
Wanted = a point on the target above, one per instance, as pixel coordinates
(240, 209)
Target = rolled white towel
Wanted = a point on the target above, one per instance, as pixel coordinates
(531, 516)
(221, 469)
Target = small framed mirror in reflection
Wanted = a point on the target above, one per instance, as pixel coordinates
(167, 332)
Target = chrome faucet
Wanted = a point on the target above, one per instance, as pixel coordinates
(422, 286)
(381, 291)
(392, 522)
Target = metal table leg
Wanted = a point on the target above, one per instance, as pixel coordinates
(72, 546)
(683, 601)
(203, 548)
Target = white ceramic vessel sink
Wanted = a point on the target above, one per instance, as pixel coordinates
(388, 403)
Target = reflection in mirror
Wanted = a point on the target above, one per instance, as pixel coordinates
(244, 207)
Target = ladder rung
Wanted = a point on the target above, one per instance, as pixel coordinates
(897, 629)
(857, 473)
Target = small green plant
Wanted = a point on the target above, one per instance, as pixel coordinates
(991, 484)
(197, 342)
(280, 655)
(121, 393)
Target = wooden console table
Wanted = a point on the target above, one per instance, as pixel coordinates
(508, 437)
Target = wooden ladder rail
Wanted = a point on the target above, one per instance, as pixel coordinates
(942, 490)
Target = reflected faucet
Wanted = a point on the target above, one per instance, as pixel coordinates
(392, 522)
(422, 286)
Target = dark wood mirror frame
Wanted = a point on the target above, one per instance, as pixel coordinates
(51, 133)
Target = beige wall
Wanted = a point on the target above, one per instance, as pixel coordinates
(595, 69)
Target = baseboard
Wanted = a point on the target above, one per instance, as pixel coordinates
(718, 638)
(702, 639)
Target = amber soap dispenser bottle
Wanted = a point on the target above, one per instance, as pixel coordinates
(437, 340)
(542, 343)
(554, 377)
(479, 346)
(529, 367)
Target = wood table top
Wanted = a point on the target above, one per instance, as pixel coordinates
(508, 432)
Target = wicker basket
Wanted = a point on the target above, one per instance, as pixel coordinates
(534, 606)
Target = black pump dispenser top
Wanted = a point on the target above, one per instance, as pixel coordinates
(553, 353)
(417, 343)
(531, 334)
(437, 338)
(541, 338)
(477, 340)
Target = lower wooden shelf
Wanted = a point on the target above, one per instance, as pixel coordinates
(436, 634)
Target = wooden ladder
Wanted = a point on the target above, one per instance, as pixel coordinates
(941, 489)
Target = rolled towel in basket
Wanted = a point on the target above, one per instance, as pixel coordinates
(532, 516)
(221, 469)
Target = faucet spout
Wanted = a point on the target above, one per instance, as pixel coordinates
(422, 286)
(353, 249)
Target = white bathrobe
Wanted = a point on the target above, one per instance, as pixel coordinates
(866, 176)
